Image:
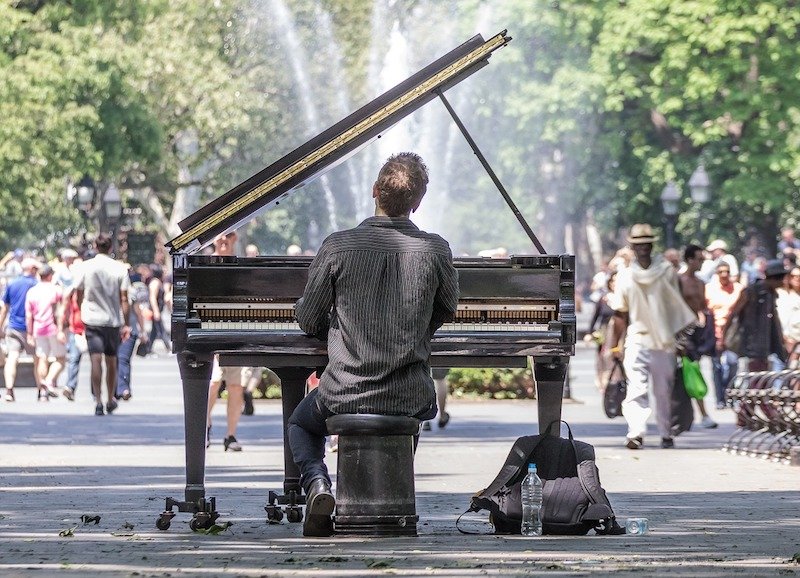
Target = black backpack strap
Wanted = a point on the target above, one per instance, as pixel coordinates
(472, 508)
(519, 455)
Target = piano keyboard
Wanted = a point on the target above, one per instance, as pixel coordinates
(470, 316)
(294, 327)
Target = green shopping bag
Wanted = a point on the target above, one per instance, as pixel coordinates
(693, 378)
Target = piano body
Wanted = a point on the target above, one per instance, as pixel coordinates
(242, 308)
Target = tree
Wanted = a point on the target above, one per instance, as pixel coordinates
(69, 106)
(710, 81)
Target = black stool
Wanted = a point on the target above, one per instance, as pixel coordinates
(375, 474)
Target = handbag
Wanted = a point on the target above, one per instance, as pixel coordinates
(681, 411)
(693, 378)
(80, 342)
(733, 336)
(615, 391)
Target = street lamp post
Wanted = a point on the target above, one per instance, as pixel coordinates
(699, 186)
(670, 197)
(112, 210)
(82, 195)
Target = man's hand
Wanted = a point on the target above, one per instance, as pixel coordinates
(31, 340)
(617, 353)
(124, 332)
(61, 336)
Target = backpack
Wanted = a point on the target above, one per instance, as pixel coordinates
(573, 500)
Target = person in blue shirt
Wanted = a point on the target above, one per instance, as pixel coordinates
(13, 308)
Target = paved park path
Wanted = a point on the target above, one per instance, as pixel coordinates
(710, 513)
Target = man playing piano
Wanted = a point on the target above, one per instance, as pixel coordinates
(377, 293)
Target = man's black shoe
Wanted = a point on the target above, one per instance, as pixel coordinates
(667, 443)
(319, 508)
(249, 409)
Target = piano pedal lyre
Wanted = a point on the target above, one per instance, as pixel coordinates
(204, 513)
(292, 503)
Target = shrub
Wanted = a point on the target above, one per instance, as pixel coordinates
(492, 383)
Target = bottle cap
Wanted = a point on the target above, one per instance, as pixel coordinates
(531, 466)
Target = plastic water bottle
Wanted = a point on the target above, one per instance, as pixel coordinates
(532, 503)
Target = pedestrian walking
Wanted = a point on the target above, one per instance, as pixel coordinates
(702, 340)
(759, 324)
(138, 298)
(231, 376)
(102, 293)
(72, 331)
(721, 295)
(41, 304)
(64, 271)
(439, 376)
(789, 314)
(16, 334)
(155, 287)
(718, 254)
(649, 311)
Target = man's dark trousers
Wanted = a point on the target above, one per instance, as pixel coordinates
(307, 431)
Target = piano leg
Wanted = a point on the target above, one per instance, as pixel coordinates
(293, 390)
(550, 374)
(195, 372)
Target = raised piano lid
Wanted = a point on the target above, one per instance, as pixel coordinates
(333, 146)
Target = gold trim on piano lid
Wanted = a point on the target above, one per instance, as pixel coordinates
(445, 74)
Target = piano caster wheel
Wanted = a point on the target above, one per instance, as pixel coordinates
(274, 515)
(294, 514)
(164, 520)
(202, 521)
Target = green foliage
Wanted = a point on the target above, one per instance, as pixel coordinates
(710, 80)
(71, 108)
(585, 116)
(492, 383)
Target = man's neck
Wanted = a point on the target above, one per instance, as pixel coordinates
(379, 212)
(645, 262)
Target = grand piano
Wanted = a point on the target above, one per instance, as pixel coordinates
(242, 309)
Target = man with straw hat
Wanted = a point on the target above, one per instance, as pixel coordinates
(648, 313)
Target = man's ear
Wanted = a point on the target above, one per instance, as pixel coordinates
(375, 191)
(416, 205)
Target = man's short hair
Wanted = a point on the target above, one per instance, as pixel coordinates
(690, 251)
(103, 243)
(401, 184)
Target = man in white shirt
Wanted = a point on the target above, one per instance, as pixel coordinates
(102, 292)
(718, 249)
(649, 311)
